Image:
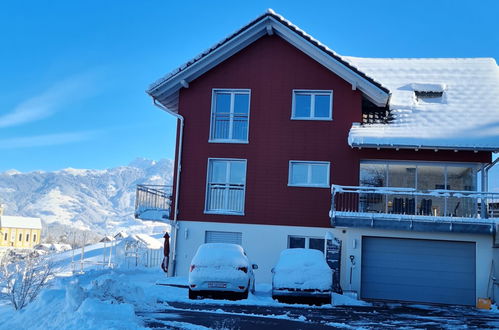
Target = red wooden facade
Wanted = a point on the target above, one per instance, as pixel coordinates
(271, 68)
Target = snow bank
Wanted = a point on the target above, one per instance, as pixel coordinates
(302, 269)
(104, 303)
(343, 300)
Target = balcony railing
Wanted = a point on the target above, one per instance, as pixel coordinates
(152, 202)
(451, 205)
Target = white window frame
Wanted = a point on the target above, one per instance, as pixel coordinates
(312, 93)
(224, 211)
(309, 174)
(307, 241)
(232, 92)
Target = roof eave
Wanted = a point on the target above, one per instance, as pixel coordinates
(267, 24)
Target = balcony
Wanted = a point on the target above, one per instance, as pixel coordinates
(417, 210)
(152, 202)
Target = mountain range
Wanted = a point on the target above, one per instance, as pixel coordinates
(99, 201)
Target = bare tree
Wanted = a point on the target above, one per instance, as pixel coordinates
(24, 279)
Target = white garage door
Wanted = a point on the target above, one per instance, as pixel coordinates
(417, 270)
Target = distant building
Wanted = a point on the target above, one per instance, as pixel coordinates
(19, 232)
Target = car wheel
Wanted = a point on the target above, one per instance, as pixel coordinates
(324, 301)
(192, 294)
(244, 295)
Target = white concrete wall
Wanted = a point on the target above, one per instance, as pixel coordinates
(353, 246)
(262, 243)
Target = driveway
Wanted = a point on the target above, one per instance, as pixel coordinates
(182, 315)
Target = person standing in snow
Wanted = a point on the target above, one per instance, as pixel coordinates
(166, 253)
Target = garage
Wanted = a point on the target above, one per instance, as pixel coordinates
(417, 270)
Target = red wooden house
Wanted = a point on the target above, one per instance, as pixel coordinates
(280, 141)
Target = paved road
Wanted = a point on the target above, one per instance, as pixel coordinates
(377, 317)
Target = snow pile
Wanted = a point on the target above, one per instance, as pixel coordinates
(302, 269)
(344, 300)
(92, 301)
(220, 254)
(464, 116)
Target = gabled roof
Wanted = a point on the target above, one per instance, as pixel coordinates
(465, 117)
(7, 221)
(165, 90)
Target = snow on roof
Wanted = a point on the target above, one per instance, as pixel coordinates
(460, 112)
(150, 242)
(20, 222)
(121, 235)
(107, 238)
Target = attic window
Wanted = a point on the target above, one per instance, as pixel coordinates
(422, 95)
(432, 93)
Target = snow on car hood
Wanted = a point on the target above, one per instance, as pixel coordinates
(302, 269)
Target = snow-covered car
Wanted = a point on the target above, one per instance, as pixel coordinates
(302, 273)
(221, 268)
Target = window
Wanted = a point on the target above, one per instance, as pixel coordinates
(223, 237)
(421, 176)
(226, 186)
(20, 237)
(312, 105)
(429, 96)
(27, 237)
(230, 115)
(5, 237)
(34, 237)
(308, 174)
(306, 243)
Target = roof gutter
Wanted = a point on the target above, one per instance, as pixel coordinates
(177, 183)
(420, 147)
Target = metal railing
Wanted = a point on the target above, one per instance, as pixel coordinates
(226, 197)
(232, 126)
(152, 198)
(409, 201)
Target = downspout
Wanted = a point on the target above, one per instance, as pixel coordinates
(177, 183)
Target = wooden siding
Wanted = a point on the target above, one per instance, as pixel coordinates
(272, 68)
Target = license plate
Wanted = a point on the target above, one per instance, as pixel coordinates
(217, 285)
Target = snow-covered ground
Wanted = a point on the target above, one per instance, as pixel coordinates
(126, 296)
(109, 298)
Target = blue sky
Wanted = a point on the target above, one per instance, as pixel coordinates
(73, 73)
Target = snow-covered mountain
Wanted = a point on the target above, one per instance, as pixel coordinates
(98, 200)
